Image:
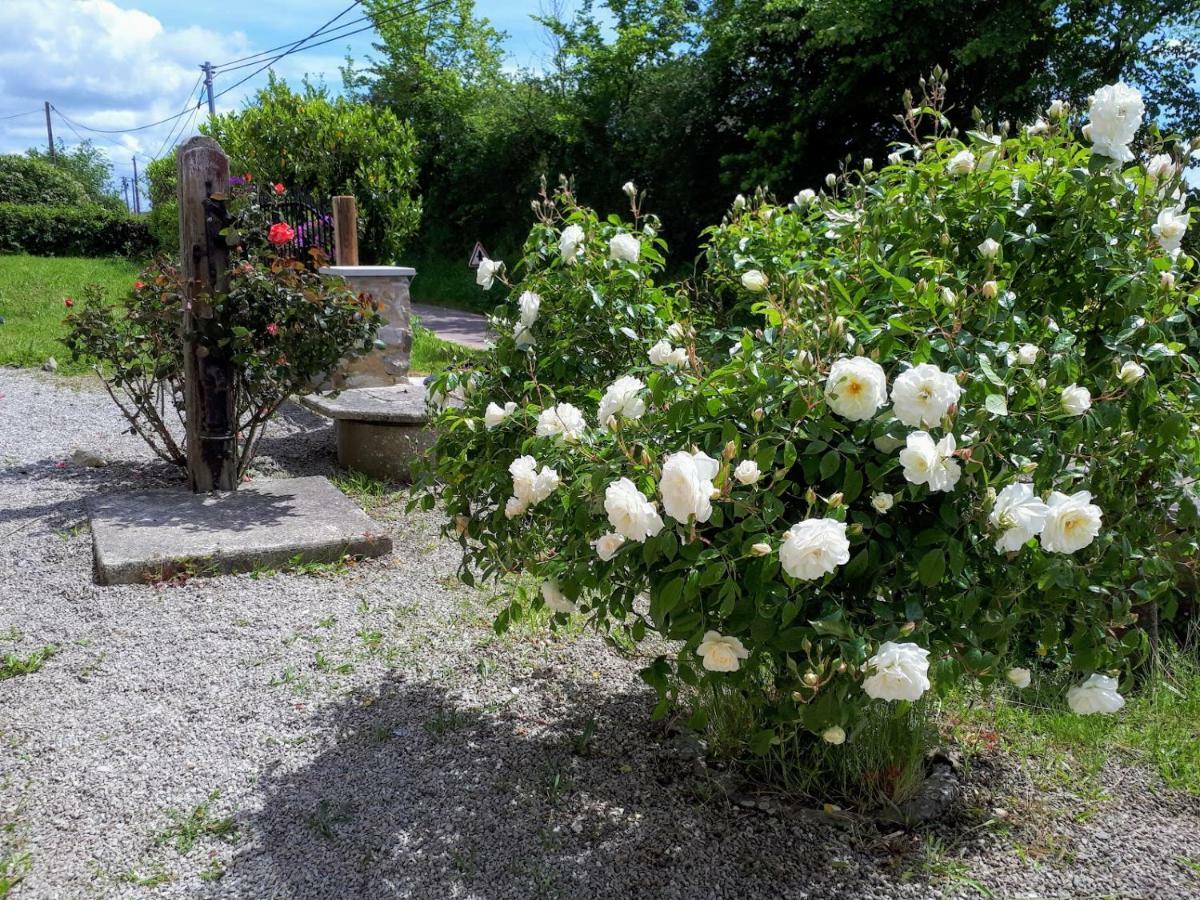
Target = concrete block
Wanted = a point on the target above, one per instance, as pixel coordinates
(152, 536)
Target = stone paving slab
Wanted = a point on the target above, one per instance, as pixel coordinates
(466, 328)
(152, 536)
(402, 404)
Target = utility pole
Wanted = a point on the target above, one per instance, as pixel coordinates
(49, 131)
(208, 74)
(137, 203)
(125, 189)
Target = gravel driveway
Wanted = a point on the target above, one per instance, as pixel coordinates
(364, 733)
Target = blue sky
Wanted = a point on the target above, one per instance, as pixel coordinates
(116, 64)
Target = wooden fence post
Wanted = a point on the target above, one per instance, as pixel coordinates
(345, 231)
(209, 385)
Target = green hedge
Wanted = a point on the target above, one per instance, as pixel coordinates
(27, 180)
(72, 231)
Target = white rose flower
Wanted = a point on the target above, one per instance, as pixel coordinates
(1169, 229)
(686, 485)
(630, 513)
(961, 163)
(1096, 695)
(524, 471)
(676, 332)
(1027, 354)
(523, 337)
(1020, 514)
(989, 249)
(514, 507)
(834, 734)
(495, 414)
(1131, 372)
(1076, 400)
(1071, 522)
(570, 244)
(856, 388)
(721, 653)
(562, 420)
(663, 354)
(1167, 280)
(1041, 126)
(760, 549)
(805, 197)
(545, 483)
(485, 275)
(897, 672)
(624, 248)
(895, 159)
(882, 502)
(622, 398)
(754, 280)
(555, 599)
(926, 462)
(629, 189)
(923, 395)
(1057, 108)
(607, 545)
(1161, 167)
(747, 472)
(1115, 115)
(1019, 677)
(529, 304)
(813, 548)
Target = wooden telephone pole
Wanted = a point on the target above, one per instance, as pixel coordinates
(209, 395)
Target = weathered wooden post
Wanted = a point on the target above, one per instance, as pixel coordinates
(345, 231)
(209, 388)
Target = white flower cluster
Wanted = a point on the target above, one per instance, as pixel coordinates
(563, 421)
(530, 485)
(1114, 117)
(622, 399)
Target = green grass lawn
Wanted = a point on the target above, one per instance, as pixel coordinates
(32, 294)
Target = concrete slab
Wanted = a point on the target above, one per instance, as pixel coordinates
(397, 404)
(149, 537)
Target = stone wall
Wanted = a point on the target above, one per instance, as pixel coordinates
(386, 364)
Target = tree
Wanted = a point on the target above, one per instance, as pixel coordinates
(88, 165)
(330, 145)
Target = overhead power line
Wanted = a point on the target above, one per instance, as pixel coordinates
(256, 57)
(28, 112)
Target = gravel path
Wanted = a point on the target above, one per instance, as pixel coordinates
(366, 734)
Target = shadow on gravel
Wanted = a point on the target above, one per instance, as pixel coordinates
(419, 797)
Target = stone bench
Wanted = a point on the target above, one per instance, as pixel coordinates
(380, 430)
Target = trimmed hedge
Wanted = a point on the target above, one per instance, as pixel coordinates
(72, 231)
(27, 180)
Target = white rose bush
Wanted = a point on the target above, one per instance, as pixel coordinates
(944, 428)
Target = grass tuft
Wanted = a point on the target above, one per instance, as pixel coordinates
(185, 831)
(12, 665)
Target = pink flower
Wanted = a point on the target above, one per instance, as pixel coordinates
(138, 285)
(279, 188)
(272, 329)
(69, 302)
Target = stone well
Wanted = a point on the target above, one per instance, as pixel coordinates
(388, 364)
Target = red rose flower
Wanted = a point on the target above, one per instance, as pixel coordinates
(69, 302)
(281, 233)
(137, 285)
(272, 329)
(279, 188)
(248, 177)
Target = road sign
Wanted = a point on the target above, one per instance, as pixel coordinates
(478, 255)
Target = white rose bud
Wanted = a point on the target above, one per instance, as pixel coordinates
(630, 189)
(608, 545)
(1167, 280)
(755, 281)
(882, 502)
(747, 472)
(1019, 677)
(1027, 354)
(1057, 108)
(831, 181)
(834, 734)
(486, 274)
(961, 163)
(989, 249)
(739, 203)
(1076, 400)
(989, 289)
(868, 164)
(760, 549)
(805, 197)
(1131, 372)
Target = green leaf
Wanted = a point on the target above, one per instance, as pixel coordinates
(996, 404)
(931, 568)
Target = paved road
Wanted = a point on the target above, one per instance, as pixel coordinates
(467, 328)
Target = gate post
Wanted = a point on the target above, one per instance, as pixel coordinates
(345, 231)
(209, 383)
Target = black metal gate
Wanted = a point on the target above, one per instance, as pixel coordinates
(309, 218)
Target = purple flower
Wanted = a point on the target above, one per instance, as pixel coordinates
(236, 179)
